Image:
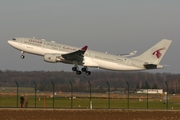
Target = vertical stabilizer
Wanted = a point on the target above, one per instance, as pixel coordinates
(155, 54)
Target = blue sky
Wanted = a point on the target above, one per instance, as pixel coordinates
(115, 26)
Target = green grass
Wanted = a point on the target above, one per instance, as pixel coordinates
(83, 103)
(43, 100)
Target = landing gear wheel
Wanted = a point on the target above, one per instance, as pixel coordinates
(78, 72)
(74, 69)
(22, 56)
(84, 69)
(88, 72)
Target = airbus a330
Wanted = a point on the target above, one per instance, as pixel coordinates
(53, 52)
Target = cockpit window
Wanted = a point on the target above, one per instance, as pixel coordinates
(14, 39)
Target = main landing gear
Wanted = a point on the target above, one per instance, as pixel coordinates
(22, 55)
(78, 72)
(85, 70)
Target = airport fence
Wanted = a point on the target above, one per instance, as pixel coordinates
(33, 98)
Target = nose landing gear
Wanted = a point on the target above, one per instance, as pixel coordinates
(22, 55)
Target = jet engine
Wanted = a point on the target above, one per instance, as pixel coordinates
(52, 58)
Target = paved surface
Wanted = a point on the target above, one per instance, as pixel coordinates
(73, 114)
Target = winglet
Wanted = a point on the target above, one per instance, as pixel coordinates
(84, 48)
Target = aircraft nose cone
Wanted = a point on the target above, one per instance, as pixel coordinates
(9, 42)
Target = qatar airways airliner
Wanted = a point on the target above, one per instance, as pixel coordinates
(54, 52)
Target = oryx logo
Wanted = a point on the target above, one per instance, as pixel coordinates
(158, 52)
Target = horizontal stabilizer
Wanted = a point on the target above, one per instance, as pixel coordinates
(153, 66)
(128, 55)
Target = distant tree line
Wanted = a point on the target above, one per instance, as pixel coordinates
(98, 80)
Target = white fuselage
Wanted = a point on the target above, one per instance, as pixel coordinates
(91, 58)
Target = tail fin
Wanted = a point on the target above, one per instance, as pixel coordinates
(155, 53)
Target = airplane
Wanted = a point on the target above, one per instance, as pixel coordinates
(53, 53)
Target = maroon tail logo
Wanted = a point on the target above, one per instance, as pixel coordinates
(158, 52)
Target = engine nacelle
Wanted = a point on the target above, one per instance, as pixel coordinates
(50, 58)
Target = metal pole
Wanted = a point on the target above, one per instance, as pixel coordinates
(17, 93)
(90, 102)
(108, 95)
(128, 95)
(35, 89)
(0, 96)
(71, 94)
(1, 92)
(53, 93)
(166, 94)
(147, 94)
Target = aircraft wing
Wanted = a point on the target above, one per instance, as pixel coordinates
(76, 55)
(130, 54)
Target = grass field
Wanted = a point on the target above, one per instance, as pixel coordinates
(8, 98)
(115, 109)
